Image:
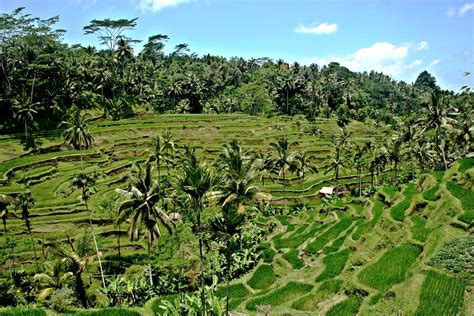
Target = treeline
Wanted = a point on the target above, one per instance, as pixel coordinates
(42, 78)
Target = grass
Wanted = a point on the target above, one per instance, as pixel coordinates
(20, 311)
(266, 253)
(365, 228)
(288, 292)
(466, 164)
(325, 290)
(328, 235)
(235, 291)
(398, 211)
(440, 295)
(108, 312)
(430, 195)
(347, 307)
(262, 278)
(419, 230)
(293, 257)
(334, 264)
(466, 197)
(391, 268)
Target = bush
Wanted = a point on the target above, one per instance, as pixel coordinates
(63, 299)
(391, 268)
(262, 278)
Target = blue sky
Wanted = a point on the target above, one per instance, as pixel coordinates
(398, 37)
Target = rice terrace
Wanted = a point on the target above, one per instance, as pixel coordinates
(140, 178)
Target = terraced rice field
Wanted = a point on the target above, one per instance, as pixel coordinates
(367, 256)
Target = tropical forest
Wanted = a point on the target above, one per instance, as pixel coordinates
(139, 176)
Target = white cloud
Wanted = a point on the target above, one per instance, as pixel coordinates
(461, 11)
(434, 62)
(157, 5)
(323, 28)
(422, 45)
(465, 8)
(381, 56)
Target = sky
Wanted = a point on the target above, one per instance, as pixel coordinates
(400, 38)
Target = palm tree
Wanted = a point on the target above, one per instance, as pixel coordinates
(304, 163)
(77, 132)
(343, 139)
(394, 155)
(142, 207)
(24, 202)
(237, 177)
(85, 183)
(284, 158)
(358, 160)
(228, 225)
(197, 181)
(335, 164)
(264, 167)
(175, 89)
(5, 201)
(437, 116)
(288, 83)
(25, 110)
(77, 257)
(53, 278)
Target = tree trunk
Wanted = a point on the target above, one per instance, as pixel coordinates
(80, 290)
(337, 181)
(34, 249)
(359, 172)
(201, 258)
(118, 243)
(95, 244)
(149, 262)
(228, 276)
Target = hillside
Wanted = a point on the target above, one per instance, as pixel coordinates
(366, 255)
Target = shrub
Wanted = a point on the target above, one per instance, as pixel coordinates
(440, 295)
(63, 299)
(280, 296)
(263, 277)
(391, 268)
(334, 264)
(456, 256)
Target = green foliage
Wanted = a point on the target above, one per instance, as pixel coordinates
(466, 164)
(419, 231)
(109, 312)
(456, 255)
(235, 291)
(391, 268)
(293, 257)
(158, 302)
(266, 252)
(263, 277)
(440, 295)
(347, 307)
(467, 200)
(325, 290)
(334, 264)
(62, 300)
(280, 296)
(398, 211)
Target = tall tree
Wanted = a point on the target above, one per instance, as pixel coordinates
(110, 32)
(304, 163)
(86, 182)
(284, 158)
(335, 164)
(23, 203)
(25, 110)
(77, 132)
(142, 206)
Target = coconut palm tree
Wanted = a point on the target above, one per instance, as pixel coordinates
(198, 182)
(238, 177)
(264, 167)
(343, 139)
(77, 256)
(394, 147)
(85, 183)
(23, 203)
(228, 225)
(77, 132)
(5, 201)
(25, 110)
(304, 163)
(142, 207)
(53, 278)
(358, 161)
(284, 158)
(335, 164)
(159, 152)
